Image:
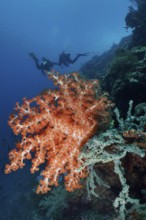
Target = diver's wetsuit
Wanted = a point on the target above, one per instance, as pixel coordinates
(46, 65)
(65, 59)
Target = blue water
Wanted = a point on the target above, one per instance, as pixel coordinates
(45, 27)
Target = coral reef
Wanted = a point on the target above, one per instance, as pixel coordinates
(113, 147)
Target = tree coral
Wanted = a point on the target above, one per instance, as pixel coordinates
(54, 126)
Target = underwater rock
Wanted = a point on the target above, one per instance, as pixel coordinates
(136, 20)
(126, 77)
(97, 66)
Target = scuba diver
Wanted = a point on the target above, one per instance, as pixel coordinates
(46, 64)
(65, 59)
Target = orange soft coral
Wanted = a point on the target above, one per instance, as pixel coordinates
(54, 126)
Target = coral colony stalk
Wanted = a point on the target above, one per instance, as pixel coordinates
(54, 126)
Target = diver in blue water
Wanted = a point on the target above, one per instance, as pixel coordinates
(46, 65)
(65, 59)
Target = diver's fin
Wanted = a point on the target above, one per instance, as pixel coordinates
(33, 56)
(83, 54)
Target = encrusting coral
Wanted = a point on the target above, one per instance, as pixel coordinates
(54, 126)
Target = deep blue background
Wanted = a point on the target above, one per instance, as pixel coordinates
(46, 27)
